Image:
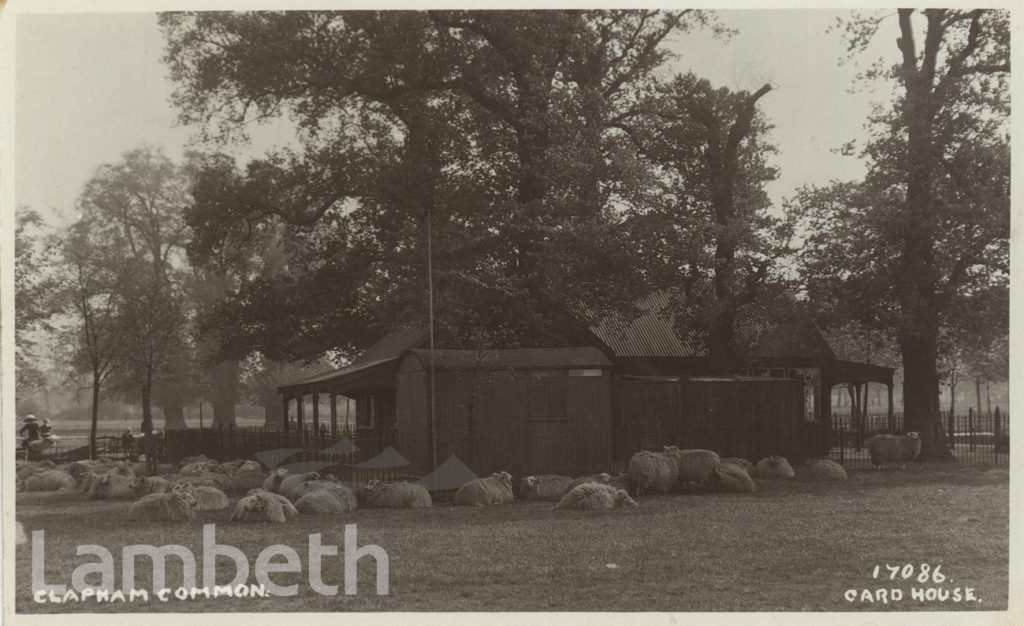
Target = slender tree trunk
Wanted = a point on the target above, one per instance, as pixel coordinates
(147, 422)
(952, 393)
(95, 414)
(977, 392)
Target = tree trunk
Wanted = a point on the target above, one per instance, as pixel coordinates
(952, 393)
(225, 393)
(174, 414)
(921, 398)
(147, 422)
(977, 392)
(272, 416)
(95, 414)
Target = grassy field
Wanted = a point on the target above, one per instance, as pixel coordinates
(792, 546)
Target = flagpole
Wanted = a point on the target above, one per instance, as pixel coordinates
(430, 304)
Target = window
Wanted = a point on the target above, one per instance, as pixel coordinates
(366, 411)
(546, 401)
(777, 372)
(586, 372)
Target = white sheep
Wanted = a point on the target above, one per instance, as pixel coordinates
(401, 495)
(546, 487)
(272, 482)
(168, 506)
(24, 469)
(145, 485)
(260, 505)
(49, 480)
(733, 477)
(747, 466)
(652, 471)
(206, 498)
(325, 496)
(696, 467)
(199, 467)
(245, 479)
(774, 467)
(894, 448)
(593, 496)
(294, 486)
(209, 479)
(112, 486)
(495, 489)
(827, 468)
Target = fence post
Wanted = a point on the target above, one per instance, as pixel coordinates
(951, 429)
(970, 431)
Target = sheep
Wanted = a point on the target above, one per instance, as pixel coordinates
(246, 476)
(325, 496)
(49, 480)
(546, 487)
(733, 477)
(228, 468)
(28, 468)
(294, 486)
(272, 482)
(894, 448)
(169, 506)
(206, 498)
(652, 471)
(260, 505)
(20, 535)
(774, 467)
(401, 495)
(593, 496)
(210, 479)
(747, 466)
(87, 481)
(80, 469)
(495, 489)
(146, 485)
(111, 486)
(198, 468)
(696, 467)
(826, 468)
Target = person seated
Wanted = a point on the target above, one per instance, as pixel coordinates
(29, 430)
(45, 430)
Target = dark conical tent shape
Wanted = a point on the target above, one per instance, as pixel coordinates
(271, 458)
(343, 447)
(451, 474)
(387, 459)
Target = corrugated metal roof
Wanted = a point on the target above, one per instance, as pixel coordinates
(514, 359)
(650, 333)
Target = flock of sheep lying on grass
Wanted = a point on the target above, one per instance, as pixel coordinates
(201, 484)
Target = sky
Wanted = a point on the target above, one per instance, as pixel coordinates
(90, 87)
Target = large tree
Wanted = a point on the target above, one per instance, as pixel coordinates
(933, 212)
(451, 123)
(134, 211)
(92, 286)
(710, 150)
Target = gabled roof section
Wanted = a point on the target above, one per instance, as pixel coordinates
(393, 345)
(651, 333)
(385, 351)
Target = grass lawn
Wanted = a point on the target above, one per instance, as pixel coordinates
(792, 546)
